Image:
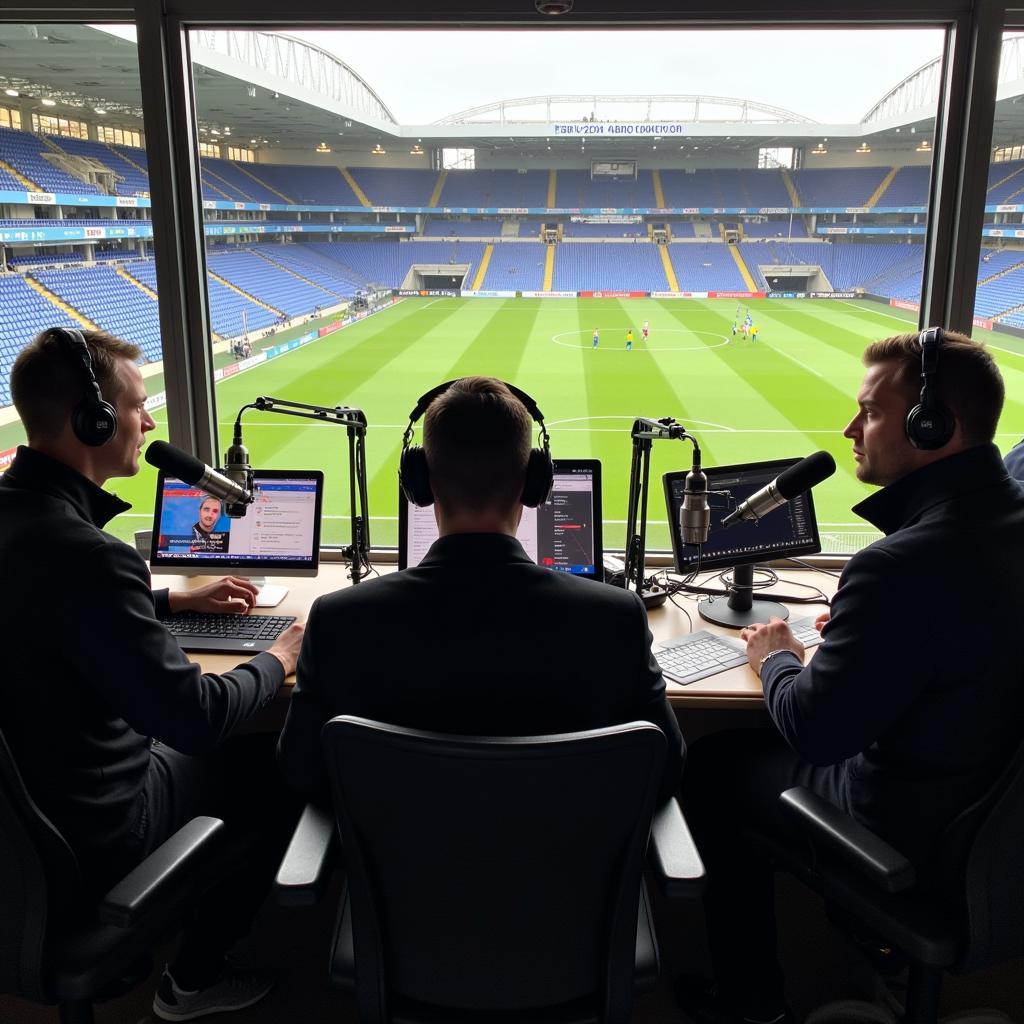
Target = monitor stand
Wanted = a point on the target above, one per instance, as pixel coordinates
(741, 608)
(270, 595)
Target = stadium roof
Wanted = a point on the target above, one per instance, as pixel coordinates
(280, 90)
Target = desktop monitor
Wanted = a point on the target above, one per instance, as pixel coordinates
(279, 533)
(563, 534)
(785, 532)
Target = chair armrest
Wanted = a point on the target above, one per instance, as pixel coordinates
(674, 853)
(163, 877)
(833, 831)
(304, 869)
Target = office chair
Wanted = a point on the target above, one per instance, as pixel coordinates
(58, 947)
(970, 916)
(494, 880)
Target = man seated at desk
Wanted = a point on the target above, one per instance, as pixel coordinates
(476, 639)
(117, 735)
(913, 703)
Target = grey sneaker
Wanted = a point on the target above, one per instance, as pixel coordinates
(235, 990)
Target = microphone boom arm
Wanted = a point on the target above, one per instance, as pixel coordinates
(354, 420)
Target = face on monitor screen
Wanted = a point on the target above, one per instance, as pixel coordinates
(279, 533)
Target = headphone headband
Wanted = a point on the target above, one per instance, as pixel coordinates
(929, 425)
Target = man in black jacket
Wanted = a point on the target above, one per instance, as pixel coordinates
(913, 702)
(485, 640)
(117, 735)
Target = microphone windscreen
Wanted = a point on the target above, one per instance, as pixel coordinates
(807, 473)
(175, 462)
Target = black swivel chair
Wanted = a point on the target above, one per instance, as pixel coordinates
(968, 917)
(495, 880)
(55, 947)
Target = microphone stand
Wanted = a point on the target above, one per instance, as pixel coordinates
(644, 433)
(354, 420)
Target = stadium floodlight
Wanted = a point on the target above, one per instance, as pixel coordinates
(863, 148)
(378, 150)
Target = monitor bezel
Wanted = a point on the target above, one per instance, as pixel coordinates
(560, 466)
(717, 563)
(177, 566)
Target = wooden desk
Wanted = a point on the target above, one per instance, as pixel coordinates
(736, 688)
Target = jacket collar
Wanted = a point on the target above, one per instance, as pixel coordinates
(905, 501)
(33, 471)
(475, 547)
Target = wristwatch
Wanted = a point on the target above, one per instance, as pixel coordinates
(769, 655)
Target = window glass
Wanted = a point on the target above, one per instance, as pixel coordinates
(75, 224)
(385, 237)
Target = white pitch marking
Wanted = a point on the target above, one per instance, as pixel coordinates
(809, 369)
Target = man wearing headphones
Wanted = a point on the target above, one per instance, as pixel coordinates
(912, 704)
(487, 642)
(115, 732)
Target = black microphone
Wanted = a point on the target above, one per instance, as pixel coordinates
(694, 513)
(238, 470)
(188, 468)
(807, 473)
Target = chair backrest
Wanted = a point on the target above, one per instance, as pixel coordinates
(40, 882)
(493, 873)
(993, 870)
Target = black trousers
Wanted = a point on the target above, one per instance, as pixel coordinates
(732, 780)
(239, 783)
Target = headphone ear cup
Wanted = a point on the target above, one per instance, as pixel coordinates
(929, 427)
(414, 476)
(94, 421)
(540, 475)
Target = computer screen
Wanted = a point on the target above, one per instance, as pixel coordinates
(788, 531)
(279, 533)
(563, 534)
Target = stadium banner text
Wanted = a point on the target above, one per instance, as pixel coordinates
(549, 295)
(736, 295)
(407, 293)
(489, 295)
(679, 295)
(618, 129)
(613, 295)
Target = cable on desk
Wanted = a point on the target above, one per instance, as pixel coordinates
(814, 568)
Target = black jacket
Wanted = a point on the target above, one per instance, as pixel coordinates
(476, 640)
(89, 673)
(918, 689)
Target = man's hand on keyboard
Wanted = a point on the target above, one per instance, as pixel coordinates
(230, 594)
(821, 620)
(286, 647)
(774, 635)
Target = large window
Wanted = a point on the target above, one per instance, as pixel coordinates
(75, 223)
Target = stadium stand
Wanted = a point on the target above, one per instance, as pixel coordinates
(312, 186)
(258, 278)
(838, 186)
(321, 270)
(25, 314)
(231, 179)
(437, 228)
(395, 186)
(110, 302)
(1005, 179)
(495, 188)
(908, 188)
(630, 266)
(708, 267)
(516, 267)
(578, 189)
(129, 180)
(387, 263)
(24, 152)
(748, 188)
(574, 229)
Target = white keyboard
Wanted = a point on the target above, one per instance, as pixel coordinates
(685, 659)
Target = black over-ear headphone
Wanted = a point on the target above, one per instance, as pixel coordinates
(93, 420)
(414, 476)
(929, 424)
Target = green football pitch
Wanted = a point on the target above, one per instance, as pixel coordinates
(786, 395)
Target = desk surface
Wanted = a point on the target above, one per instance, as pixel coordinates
(736, 687)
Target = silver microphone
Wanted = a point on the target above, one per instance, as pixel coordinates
(191, 470)
(694, 513)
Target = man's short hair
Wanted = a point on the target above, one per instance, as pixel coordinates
(48, 380)
(205, 497)
(967, 380)
(476, 436)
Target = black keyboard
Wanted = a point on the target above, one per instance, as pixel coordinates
(685, 659)
(243, 634)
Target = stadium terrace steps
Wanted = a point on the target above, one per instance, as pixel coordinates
(1015, 173)
(670, 274)
(289, 270)
(245, 295)
(213, 188)
(259, 181)
(354, 185)
(435, 196)
(138, 284)
(552, 187)
(127, 159)
(64, 307)
(787, 180)
(882, 186)
(26, 183)
(246, 197)
(742, 267)
(1003, 272)
(659, 192)
(482, 270)
(549, 265)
